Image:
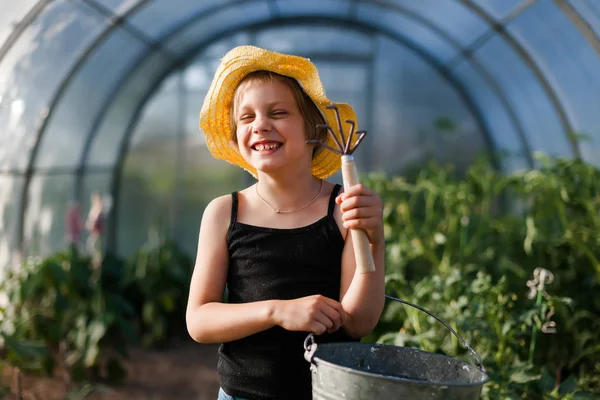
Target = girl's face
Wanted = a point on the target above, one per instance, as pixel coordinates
(270, 128)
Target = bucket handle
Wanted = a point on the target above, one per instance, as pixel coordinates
(472, 353)
(310, 346)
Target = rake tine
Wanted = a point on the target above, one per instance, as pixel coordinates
(349, 141)
(319, 143)
(339, 121)
(361, 136)
(333, 135)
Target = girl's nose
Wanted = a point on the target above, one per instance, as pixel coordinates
(261, 124)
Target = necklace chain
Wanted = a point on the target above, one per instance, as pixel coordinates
(275, 210)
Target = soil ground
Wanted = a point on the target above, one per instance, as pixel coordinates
(184, 371)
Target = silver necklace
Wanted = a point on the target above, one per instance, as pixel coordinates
(288, 211)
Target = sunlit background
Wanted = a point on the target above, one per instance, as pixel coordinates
(104, 96)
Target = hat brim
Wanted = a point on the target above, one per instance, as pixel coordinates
(235, 66)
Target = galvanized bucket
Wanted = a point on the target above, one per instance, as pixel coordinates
(368, 371)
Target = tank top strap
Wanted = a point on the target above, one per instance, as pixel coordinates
(234, 208)
(334, 194)
(234, 211)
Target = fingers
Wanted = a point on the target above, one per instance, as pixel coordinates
(337, 306)
(361, 213)
(360, 206)
(316, 313)
(355, 190)
(329, 316)
(358, 196)
(318, 328)
(334, 316)
(362, 209)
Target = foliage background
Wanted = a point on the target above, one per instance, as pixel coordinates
(470, 248)
(467, 249)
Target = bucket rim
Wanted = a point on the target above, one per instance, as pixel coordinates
(318, 360)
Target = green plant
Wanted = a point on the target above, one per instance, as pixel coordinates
(20, 355)
(156, 281)
(75, 309)
(464, 248)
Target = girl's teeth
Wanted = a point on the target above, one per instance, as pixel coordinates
(262, 147)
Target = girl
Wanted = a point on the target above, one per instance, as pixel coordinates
(282, 245)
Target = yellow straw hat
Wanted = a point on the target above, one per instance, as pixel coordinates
(235, 65)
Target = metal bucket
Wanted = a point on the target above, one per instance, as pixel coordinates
(368, 371)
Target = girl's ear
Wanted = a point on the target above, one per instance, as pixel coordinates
(233, 142)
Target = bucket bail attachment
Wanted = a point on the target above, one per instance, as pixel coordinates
(310, 347)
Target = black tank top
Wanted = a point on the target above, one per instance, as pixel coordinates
(271, 263)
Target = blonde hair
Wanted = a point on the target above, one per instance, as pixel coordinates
(310, 112)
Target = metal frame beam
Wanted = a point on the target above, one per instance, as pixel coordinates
(52, 106)
(31, 16)
(533, 66)
(463, 53)
(580, 23)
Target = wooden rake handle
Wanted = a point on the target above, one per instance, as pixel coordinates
(360, 240)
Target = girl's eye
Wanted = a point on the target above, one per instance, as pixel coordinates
(279, 113)
(245, 117)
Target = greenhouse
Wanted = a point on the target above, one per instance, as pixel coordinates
(483, 121)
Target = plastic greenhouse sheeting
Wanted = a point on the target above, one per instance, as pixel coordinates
(82, 81)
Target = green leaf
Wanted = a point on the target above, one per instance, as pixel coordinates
(91, 355)
(524, 376)
(73, 357)
(81, 336)
(58, 273)
(547, 382)
(586, 396)
(24, 349)
(158, 328)
(148, 312)
(531, 234)
(563, 300)
(506, 327)
(568, 385)
(96, 331)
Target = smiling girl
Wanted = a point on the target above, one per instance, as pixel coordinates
(281, 246)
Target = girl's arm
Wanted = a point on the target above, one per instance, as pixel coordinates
(362, 295)
(209, 320)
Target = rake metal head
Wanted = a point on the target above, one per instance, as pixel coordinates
(345, 146)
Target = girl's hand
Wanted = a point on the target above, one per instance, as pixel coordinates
(362, 209)
(317, 314)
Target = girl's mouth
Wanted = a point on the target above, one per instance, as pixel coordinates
(266, 146)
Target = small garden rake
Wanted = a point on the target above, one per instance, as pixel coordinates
(362, 249)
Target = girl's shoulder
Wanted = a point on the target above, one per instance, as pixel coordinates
(220, 203)
(218, 212)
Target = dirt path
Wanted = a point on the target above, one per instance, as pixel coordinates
(185, 371)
